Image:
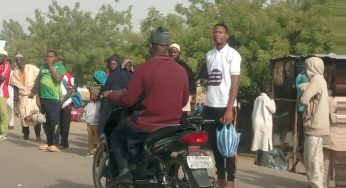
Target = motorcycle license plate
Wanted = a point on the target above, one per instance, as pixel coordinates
(196, 162)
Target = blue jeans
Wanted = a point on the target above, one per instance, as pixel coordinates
(51, 108)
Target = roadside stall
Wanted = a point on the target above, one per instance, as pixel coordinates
(288, 119)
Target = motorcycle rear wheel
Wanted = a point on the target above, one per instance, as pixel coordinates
(178, 175)
(100, 165)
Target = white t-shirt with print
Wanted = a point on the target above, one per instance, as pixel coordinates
(220, 66)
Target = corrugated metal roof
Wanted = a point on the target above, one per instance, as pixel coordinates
(338, 56)
(330, 56)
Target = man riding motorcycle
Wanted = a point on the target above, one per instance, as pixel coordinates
(161, 87)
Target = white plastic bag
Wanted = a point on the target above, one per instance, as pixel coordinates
(39, 118)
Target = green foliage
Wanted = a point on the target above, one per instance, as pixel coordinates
(340, 27)
(258, 30)
(83, 41)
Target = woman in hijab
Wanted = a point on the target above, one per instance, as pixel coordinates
(174, 52)
(116, 81)
(127, 66)
(316, 120)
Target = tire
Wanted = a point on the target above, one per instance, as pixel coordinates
(179, 175)
(101, 174)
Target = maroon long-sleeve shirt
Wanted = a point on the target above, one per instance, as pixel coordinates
(162, 86)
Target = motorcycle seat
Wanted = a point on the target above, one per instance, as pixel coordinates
(163, 132)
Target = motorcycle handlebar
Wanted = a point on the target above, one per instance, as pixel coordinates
(199, 122)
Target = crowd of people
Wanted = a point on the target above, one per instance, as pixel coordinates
(44, 96)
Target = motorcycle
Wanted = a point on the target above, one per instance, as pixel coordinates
(171, 158)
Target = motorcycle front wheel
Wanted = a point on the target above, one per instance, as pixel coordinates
(101, 162)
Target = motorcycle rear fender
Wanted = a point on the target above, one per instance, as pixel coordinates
(200, 177)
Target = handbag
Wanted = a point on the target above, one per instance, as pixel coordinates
(39, 118)
(227, 140)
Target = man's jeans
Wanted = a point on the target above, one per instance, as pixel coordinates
(51, 108)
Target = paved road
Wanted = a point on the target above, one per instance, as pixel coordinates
(23, 165)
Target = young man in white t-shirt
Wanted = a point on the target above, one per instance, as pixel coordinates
(223, 66)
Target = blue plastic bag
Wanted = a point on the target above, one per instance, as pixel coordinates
(227, 140)
(77, 100)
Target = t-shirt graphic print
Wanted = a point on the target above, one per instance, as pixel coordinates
(215, 77)
(221, 65)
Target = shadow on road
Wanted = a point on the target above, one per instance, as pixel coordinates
(68, 184)
(76, 151)
(79, 144)
(80, 135)
(267, 181)
(18, 140)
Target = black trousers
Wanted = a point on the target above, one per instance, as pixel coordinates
(126, 144)
(221, 168)
(183, 119)
(65, 121)
(105, 110)
(261, 158)
(26, 131)
(51, 108)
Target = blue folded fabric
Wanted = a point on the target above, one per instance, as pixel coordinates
(100, 77)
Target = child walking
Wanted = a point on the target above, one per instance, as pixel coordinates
(91, 116)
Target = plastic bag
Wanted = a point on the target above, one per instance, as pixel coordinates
(39, 118)
(77, 100)
(227, 140)
(272, 159)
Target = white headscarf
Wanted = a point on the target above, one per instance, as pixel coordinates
(314, 66)
(125, 62)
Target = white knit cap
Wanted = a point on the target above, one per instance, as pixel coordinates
(175, 45)
(19, 56)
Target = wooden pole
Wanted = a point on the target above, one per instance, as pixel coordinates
(295, 137)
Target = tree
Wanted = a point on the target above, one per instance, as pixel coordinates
(83, 41)
(259, 30)
(14, 34)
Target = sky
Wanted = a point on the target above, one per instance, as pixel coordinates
(19, 10)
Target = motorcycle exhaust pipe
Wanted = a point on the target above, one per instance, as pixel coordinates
(175, 154)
